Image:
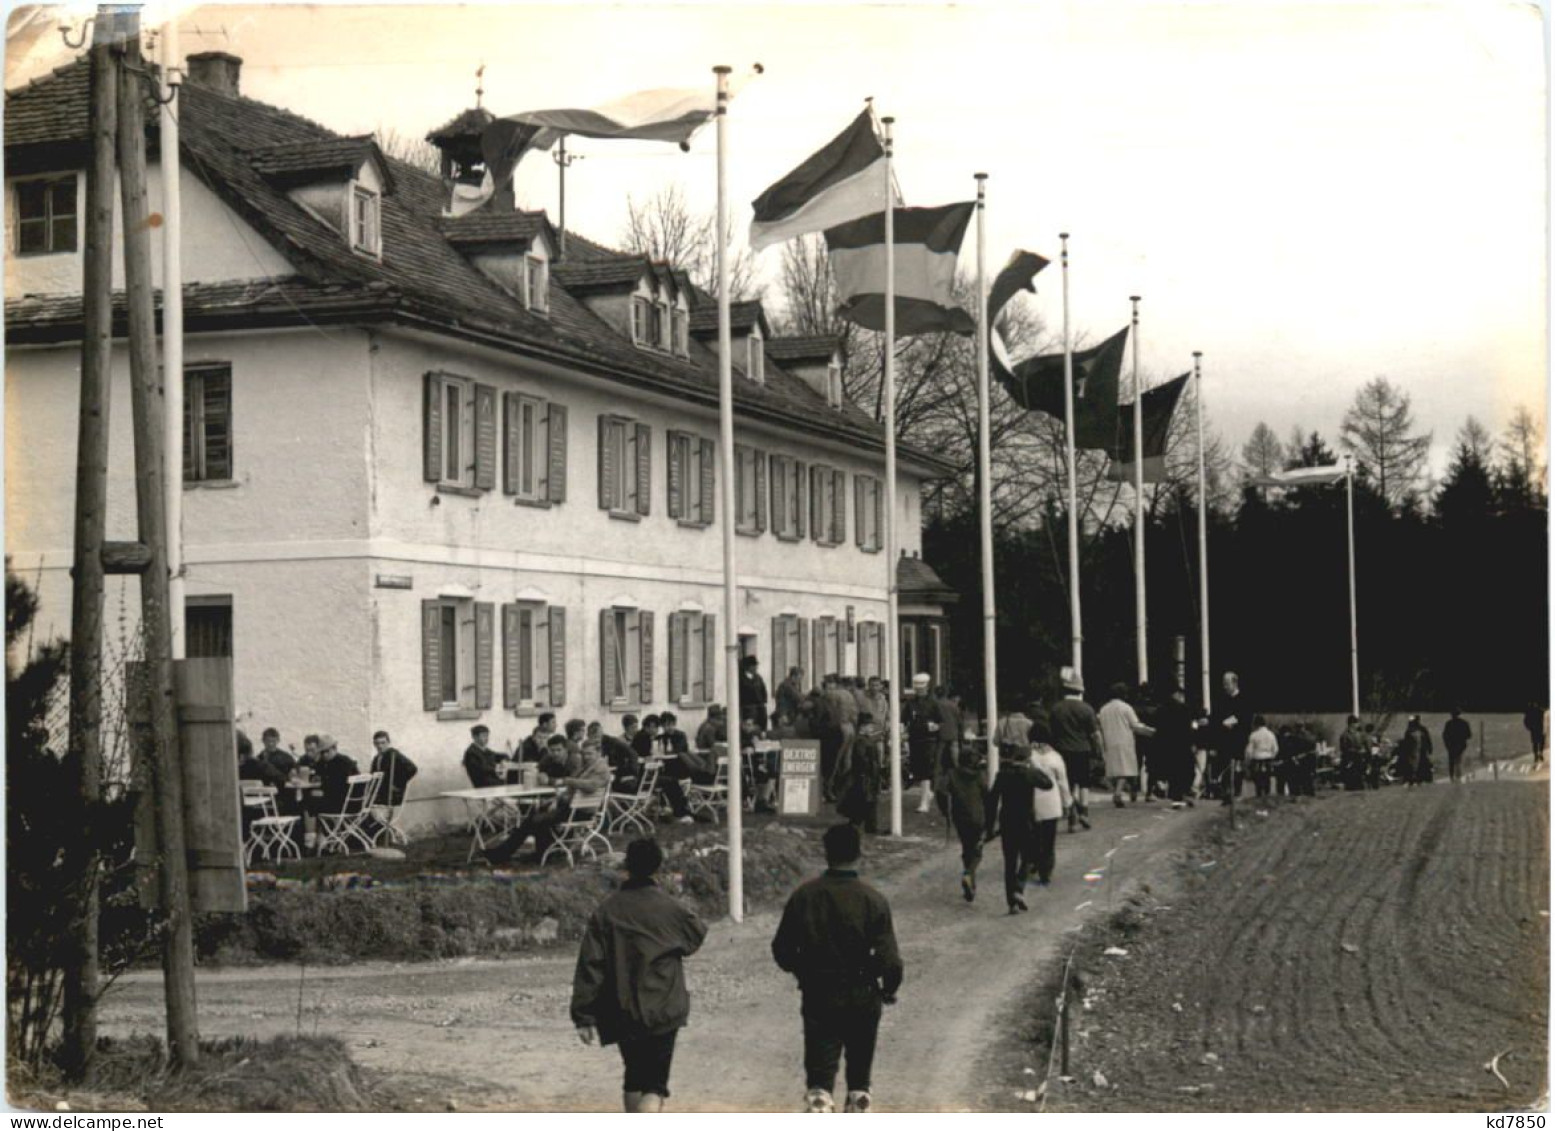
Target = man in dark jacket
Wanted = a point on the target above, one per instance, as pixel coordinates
(1232, 725)
(1077, 738)
(397, 770)
(480, 760)
(836, 938)
(753, 693)
(1173, 747)
(925, 722)
(1011, 814)
(629, 988)
(1455, 739)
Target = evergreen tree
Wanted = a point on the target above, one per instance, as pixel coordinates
(1379, 431)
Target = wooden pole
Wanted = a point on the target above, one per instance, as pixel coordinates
(985, 492)
(86, 598)
(1076, 635)
(1141, 622)
(894, 674)
(147, 408)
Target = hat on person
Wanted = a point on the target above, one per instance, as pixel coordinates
(921, 679)
(1071, 679)
(326, 742)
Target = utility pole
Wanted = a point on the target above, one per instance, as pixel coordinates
(86, 598)
(147, 408)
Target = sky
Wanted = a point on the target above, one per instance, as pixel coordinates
(1311, 194)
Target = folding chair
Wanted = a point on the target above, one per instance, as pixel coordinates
(631, 810)
(578, 834)
(349, 826)
(709, 798)
(269, 833)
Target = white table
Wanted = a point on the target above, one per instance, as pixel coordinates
(481, 803)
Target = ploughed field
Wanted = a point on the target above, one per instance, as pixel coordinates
(1372, 951)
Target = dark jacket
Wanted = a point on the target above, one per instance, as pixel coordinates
(397, 770)
(481, 766)
(1012, 798)
(1174, 733)
(260, 770)
(628, 982)
(918, 713)
(625, 765)
(1075, 728)
(789, 696)
(1232, 740)
(1456, 735)
(333, 773)
(836, 936)
(280, 759)
(753, 698)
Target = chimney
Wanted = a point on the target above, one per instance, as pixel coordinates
(215, 71)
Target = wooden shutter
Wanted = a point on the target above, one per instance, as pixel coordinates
(644, 469)
(512, 444)
(803, 658)
(710, 664)
(432, 468)
(679, 630)
(779, 481)
(431, 655)
(858, 510)
(679, 449)
(839, 518)
(558, 626)
(556, 456)
(801, 495)
(779, 651)
(485, 437)
(485, 643)
(879, 538)
(760, 465)
(840, 629)
(816, 473)
(215, 390)
(607, 468)
(645, 632)
(607, 653)
(512, 661)
(818, 651)
(709, 482)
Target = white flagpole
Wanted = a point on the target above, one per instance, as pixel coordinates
(1355, 660)
(1141, 640)
(172, 334)
(726, 444)
(888, 381)
(1076, 636)
(1204, 668)
(985, 485)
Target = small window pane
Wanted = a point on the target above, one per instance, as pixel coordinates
(449, 645)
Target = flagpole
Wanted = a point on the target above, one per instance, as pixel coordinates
(985, 485)
(1075, 635)
(1204, 669)
(726, 439)
(1355, 661)
(1141, 640)
(172, 334)
(888, 382)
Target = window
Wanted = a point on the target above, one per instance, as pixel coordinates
(828, 505)
(871, 650)
(626, 657)
(834, 383)
(536, 284)
(534, 467)
(790, 645)
(755, 358)
(693, 658)
(534, 649)
(691, 463)
(46, 216)
(665, 325)
(868, 496)
(909, 646)
(682, 331)
(207, 424)
(750, 490)
(830, 641)
(208, 627)
(625, 466)
(365, 233)
(936, 657)
(457, 638)
(788, 498)
(642, 314)
(461, 434)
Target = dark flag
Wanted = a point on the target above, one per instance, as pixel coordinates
(928, 242)
(1160, 403)
(1019, 274)
(1037, 384)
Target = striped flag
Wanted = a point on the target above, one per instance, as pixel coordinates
(1160, 403)
(1019, 274)
(928, 241)
(1302, 477)
(841, 181)
(1037, 384)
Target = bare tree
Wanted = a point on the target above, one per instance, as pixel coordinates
(664, 229)
(1521, 445)
(1474, 439)
(1263, 454)
(416, 152)
(1379, 430)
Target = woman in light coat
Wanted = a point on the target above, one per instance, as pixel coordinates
(1119, 725)
(1051, 804)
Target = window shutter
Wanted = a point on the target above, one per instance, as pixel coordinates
(858, 510)
(556, 442)
(879, 538)
(644, 469)
(840, 629)
(862, 649)
(803, 658)
(818, 651)
(760, 463)
(779, 513)
(216, 423)
(485, 437)
(485, 642)
(839, 517)
(511, 660)
(710, 663)
(709, 512)
(675, 444)
(645, 632)
(558, 617)
(511, 444)
(801, 495)
(817, 475)
(779, 651)
(677, 656)
(431, 655)
(607, 468)
(607, 653)
(432, 469)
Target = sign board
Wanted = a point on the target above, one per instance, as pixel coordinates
(799, 778)
(394, 581)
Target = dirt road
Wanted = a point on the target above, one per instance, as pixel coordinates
(495, 1034)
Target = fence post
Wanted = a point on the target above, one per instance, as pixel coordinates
(1063, 1025)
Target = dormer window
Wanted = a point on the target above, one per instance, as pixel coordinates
(665, 324)
(366, 235)
(755, 356)
(536, 284)
(682, 331)
(834, 383)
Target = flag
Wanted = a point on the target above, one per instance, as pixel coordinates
(1160, 403)
(841, 181)
(928, 240)
(1302, 477)
(1018, 275)
(1037, 384)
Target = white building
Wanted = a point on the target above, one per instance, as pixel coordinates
(434, 474)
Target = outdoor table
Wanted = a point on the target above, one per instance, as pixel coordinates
(299, 789)
(480, 803)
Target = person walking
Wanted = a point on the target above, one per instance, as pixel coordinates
(963, 802)
(753, 694)
(1173, 747)
(1456, 734)
(1232, 726)
(1533, 723)
(1050, 804)
(1119, 726)
(1261, 751)
(1413, 755)
(1077, 737)
(628, 988)
(1354, 755)
(1010, 814)
(836, 938)
(925, 721)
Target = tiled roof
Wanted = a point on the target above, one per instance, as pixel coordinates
(742, 316)
(598, 274)
(472, 121)
(916, 577)
(299, 161)
(801, 349)
(421, 279)
(482, 227)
